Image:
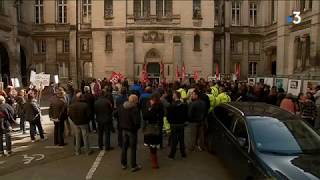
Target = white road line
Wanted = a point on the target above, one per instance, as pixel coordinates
(95, 165)
(2, 162)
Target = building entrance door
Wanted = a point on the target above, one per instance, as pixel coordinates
(153, 70)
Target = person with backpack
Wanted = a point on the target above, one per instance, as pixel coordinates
(6, 117)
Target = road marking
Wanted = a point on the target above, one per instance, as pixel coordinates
(2, 162)
(54, 147)
(95, 165)
(28, 159)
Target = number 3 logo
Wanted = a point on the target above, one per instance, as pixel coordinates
(297, 17)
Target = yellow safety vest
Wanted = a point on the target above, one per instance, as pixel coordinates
(183, 93)
(223, 98)
(213, 102)
(214, 91)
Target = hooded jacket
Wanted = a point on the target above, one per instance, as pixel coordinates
(129, 117)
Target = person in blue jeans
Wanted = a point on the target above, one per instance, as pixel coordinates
(6, 115)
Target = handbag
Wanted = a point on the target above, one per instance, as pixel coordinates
(152, 130)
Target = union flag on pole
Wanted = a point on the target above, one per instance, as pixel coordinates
(161, 68)
(144, 74)
(196, 75)
(177, 73)
(183, 73)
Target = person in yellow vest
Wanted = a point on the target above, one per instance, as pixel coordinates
(223, 97)
(213, 100)
(183, 93)
(214, 90)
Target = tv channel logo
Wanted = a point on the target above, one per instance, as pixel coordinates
(295, 18)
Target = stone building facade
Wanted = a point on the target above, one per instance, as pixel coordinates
(80, 39)
(15, 40)
(259, 36)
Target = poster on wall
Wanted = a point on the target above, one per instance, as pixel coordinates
(269, 81)
(260, 80)
(294, 87)
(251, 81)
(310, 85)
(282, 83)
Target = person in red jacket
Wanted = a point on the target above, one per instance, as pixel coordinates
(288, 104)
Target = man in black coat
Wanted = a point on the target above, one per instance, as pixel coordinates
(103, 109)
(177, 117)
(79, 113)
(129, 122)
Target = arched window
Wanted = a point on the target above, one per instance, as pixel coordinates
(109, 42)
(196, 43)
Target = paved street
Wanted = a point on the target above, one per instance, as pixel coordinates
(41, 160)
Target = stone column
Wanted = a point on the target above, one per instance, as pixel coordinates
(130, 57)
(315, 35)
(245, 13)
(227, 53)
(245, 60)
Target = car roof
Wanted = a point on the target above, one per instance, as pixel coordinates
(261, 109)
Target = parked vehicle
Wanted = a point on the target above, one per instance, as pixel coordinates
(259, 141)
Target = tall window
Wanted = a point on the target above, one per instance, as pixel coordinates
(39, 46)
(236, 13)
(164, 8)
(196, 9)
(141, 8)
(62, 11)
(108, 8)
(63, 46)
(109, 42)
(216, 13)
(252, 68)
(63, 69)
(253, 14)
(2, 6)
(19, 4)
(273, 11)
(217, 47)
(236, 47)
(86, 11)
(254, 48)
(196, 42)
(38, 12)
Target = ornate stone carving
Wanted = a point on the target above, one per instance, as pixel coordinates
(153, 37)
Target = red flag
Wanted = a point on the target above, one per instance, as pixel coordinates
(238, 70)
(183, 73)
(177, 73)
(217, 71)
(144, 74)
(196, 75)
(161, 68)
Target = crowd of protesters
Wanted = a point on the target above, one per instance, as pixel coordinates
(157, 108)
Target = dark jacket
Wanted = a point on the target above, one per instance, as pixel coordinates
(129, 117)
(58, 109)
(103, 110)
(154, 114)
(177, 114)
(20, 104)
(6, 117)
(79, 112)
(197, 111)
(31, 110)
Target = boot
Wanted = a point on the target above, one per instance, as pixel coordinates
(154, 161)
